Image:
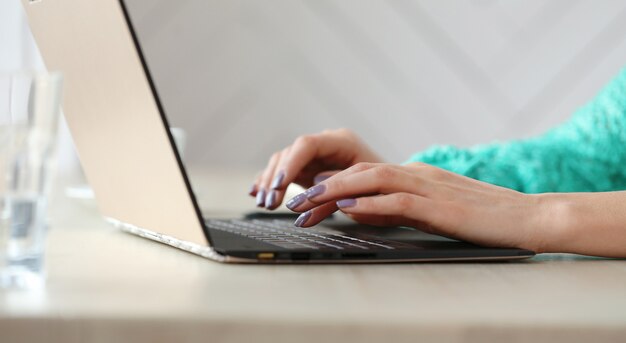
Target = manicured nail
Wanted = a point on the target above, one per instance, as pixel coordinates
(278, 180)
(346, 203)
(315, 191)
(302, 219)
(320, 178)
(260, 198)
(296, 201)
(252, 189)
(271, 199)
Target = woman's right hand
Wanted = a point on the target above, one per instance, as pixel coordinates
(310, 159)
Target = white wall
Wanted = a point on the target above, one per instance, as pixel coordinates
(14, 51)
(245, 77)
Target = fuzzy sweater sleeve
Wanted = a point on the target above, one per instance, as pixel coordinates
(585, 154)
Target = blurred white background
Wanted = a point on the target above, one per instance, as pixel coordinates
(244, 78)
(18, 52)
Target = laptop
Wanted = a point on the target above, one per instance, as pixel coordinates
(127, 151)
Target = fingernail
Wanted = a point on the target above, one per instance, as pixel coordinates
(320, 178)
(278, 180)
(271, 199)
(252, 189)
(260, 198)
(295, 201)
(346, 203)
(315, 191)
(302, 219)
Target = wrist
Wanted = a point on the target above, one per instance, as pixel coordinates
(555, 222)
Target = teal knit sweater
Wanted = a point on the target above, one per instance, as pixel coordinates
(585, 154)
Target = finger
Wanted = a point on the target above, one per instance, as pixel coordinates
(324, 175)
(409, 206)
(304, 150)
(315, 215)
(266, 179)
(274, 198)
(306, 178)
(379, 179)
(254, 188)
(275, 194)
(300, 203)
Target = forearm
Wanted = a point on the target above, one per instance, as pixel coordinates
(582, 223)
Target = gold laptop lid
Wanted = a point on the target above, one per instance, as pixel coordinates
(123, 142)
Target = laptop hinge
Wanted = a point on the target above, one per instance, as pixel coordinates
(204, 251)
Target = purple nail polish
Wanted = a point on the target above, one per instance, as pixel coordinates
(252, 189)
(302, 219)
(295, 201)
(319, 178)
(260, 198)
(278, 180)
(346, 203)
(271, 199)
(315, 191)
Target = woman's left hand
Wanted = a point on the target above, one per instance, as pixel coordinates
(430, 199)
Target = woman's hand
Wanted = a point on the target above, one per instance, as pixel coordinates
(310, 159)
(428, 198)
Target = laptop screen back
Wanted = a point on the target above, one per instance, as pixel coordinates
(121, 136)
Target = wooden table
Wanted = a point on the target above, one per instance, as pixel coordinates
(108, 286)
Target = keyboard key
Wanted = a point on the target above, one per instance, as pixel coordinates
(282, 233)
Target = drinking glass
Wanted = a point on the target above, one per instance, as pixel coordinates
(29, 113)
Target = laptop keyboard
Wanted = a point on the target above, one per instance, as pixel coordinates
(283, 234)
